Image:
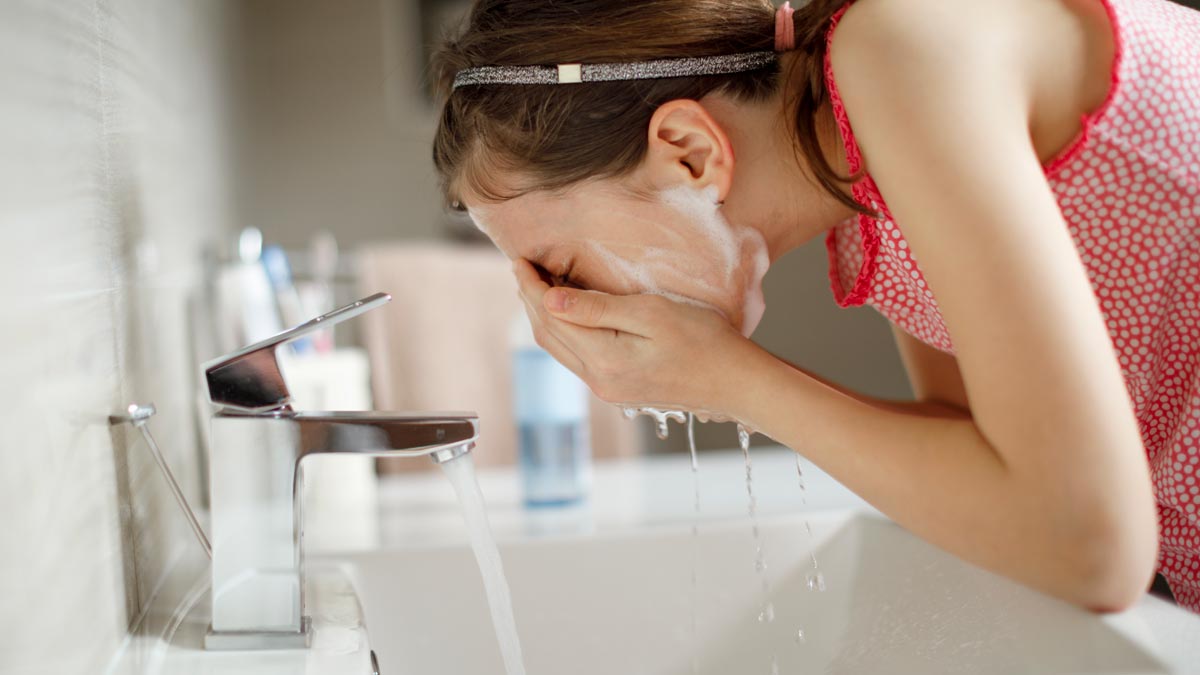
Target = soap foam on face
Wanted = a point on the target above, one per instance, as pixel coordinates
(692, 255)
(741, 255)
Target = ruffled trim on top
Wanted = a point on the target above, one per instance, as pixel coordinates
(1089, 120)
(865, 193)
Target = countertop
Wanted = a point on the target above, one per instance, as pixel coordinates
(420, 510)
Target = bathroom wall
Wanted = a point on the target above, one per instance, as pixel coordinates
(338, 133)
(114, 175)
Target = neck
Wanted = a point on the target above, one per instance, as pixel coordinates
(774, 190)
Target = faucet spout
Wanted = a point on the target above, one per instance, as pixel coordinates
(257, 449)
(256, 467)
(440, 436)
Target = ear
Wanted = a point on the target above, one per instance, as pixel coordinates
(687, 146)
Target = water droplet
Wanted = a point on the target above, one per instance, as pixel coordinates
(691, 429)
(816, 581)
(662, 430)
(743, 439)
(799, 636)
(774, 665)
(767, 615)
(660, 417)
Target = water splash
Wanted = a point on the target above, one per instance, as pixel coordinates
(461, 474)
(660, 417)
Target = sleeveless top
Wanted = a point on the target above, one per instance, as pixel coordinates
(1128, 187)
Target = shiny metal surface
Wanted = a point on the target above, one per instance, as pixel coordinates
(257, 453)
(138, 416)
(250, 380)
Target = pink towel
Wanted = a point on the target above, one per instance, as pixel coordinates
(442, 344)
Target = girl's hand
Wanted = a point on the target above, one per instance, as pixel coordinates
(641, 350)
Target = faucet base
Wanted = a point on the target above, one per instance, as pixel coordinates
(258, 640)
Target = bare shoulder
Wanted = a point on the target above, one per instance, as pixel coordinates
(918, 50)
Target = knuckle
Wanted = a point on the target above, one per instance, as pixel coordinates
(594, 309)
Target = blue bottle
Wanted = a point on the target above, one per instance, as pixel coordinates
(551, 408)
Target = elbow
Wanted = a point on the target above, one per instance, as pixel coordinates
(1113, 565)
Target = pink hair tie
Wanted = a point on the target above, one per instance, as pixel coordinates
(785, 29)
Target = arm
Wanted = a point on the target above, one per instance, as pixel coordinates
(1047, 481)
(933, 374)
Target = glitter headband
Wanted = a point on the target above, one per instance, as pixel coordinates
(573, 73)
(570, 73)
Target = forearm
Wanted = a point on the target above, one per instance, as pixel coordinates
(930, 469)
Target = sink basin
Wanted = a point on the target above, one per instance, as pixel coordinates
(621, 602)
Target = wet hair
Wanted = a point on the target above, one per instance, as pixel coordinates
(550, 137)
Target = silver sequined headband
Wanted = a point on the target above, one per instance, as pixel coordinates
(570, 73)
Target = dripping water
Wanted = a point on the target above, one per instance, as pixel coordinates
(815, 579)
(691, 429)
(766, 608)
(660, 417)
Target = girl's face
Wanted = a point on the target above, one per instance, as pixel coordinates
(600, 237)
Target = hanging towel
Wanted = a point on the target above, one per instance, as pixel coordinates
(441, 344)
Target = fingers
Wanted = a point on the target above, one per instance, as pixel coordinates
(532, 287)
(551, 343)
(528, 279)
(577, 330)
(625, 313)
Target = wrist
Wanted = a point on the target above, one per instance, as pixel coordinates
(747, 384)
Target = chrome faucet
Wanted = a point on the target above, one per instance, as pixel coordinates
(256, 469)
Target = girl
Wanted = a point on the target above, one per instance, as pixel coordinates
(1014, 184)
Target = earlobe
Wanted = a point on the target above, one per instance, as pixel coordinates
(686, 145)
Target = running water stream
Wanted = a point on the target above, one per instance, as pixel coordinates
(461, 474)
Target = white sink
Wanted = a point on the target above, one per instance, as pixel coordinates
(622, 603)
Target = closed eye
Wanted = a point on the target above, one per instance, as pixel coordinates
(563, 279)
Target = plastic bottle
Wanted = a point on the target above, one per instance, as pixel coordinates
(550, 405)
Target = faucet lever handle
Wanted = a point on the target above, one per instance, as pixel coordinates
(250, 380)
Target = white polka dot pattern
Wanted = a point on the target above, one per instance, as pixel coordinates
(1129, 191)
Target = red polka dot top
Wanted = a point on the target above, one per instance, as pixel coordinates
(1129, 189)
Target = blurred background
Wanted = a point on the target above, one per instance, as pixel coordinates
(139, 140)
(178, 178)
(334, 129)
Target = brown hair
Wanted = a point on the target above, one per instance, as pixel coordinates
(555, 136)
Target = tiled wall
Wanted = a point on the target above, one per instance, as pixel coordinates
(113, 178)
